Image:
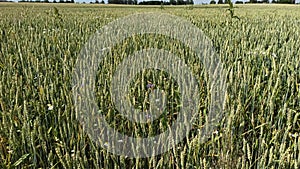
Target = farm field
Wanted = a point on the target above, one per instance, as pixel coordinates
(259, 50)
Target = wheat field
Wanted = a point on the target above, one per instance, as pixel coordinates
(260, 52)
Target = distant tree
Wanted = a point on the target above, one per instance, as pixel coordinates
(97, 2)
(220, 2)
(54, 1)
(180, 2)
(253, 1)
(212, 2)
(115, 1)
(173, 2)
(286, 1)
(239, 2)
(150, 3)
(61, 1)
(102, 2)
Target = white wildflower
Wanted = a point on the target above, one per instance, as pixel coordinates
(216, 132)
(50, 107)
(294, 135)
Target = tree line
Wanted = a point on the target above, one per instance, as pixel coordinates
(255, 1)
(171, 2)
(125, 2)
(157, 2)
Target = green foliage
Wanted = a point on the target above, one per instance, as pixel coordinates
(162, 6)
(231, 10)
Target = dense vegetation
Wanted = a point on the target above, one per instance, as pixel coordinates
(260, 50)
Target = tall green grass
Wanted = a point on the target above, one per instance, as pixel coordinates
(260, 53)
